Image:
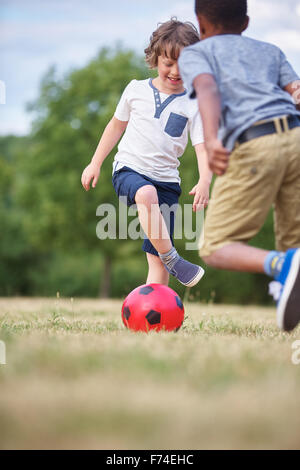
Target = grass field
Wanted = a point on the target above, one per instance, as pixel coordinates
(76, 378)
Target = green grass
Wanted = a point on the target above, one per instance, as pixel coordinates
(76, 378)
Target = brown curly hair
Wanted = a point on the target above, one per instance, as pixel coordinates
(168, 39)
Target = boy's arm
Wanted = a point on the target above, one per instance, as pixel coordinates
(201, 190)
(109, 139)
(209, 105)
(294, 90)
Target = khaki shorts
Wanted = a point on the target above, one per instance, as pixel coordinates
(261, 173)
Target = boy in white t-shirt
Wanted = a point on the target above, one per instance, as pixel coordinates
(158, 117)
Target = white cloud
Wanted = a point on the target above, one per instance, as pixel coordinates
(182, 10)
(269, 11)
(14, 34)
(13, 120)
(35, 34)
(277, 22)
(285, 39)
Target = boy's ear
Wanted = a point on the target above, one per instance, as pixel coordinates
(202, 27)
(246, 23)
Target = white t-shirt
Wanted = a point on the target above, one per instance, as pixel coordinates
(157, 132)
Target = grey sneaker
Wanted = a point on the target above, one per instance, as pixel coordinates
(187, 273)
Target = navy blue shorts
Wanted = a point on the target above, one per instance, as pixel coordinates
(126, 182)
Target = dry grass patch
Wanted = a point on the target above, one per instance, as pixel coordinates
(76, 378)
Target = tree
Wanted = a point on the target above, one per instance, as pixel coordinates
(48, 222)
(71, 113)
(17, 256)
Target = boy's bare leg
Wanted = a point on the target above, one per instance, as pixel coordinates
(155, 228)
(238, 257)
(157, 273)
(151, 219)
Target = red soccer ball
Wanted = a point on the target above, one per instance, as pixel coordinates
(153, 307)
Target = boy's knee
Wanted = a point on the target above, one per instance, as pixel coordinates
(146, 195)
(211, 260)
(207, 259)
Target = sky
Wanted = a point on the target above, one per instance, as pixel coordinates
(35, 34)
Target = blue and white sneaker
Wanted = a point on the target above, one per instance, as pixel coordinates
(286, 291)
(187, 273)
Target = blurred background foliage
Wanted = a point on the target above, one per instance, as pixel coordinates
(48, 240)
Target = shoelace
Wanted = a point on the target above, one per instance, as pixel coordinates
(169, 262)
(275, 289)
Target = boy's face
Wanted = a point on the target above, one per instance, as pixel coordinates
(168, 73)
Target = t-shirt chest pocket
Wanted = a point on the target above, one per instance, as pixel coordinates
(176, 125)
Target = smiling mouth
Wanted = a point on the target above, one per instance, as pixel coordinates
(174, 80)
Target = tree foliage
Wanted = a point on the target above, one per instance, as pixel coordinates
(48, 237)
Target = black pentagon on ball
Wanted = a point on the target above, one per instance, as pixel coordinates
(146, 290)
(126, 313)
(179, 303)
(153, 317)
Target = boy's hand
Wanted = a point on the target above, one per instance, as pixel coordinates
(201, 196)
(218, 157)
(91, 172)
